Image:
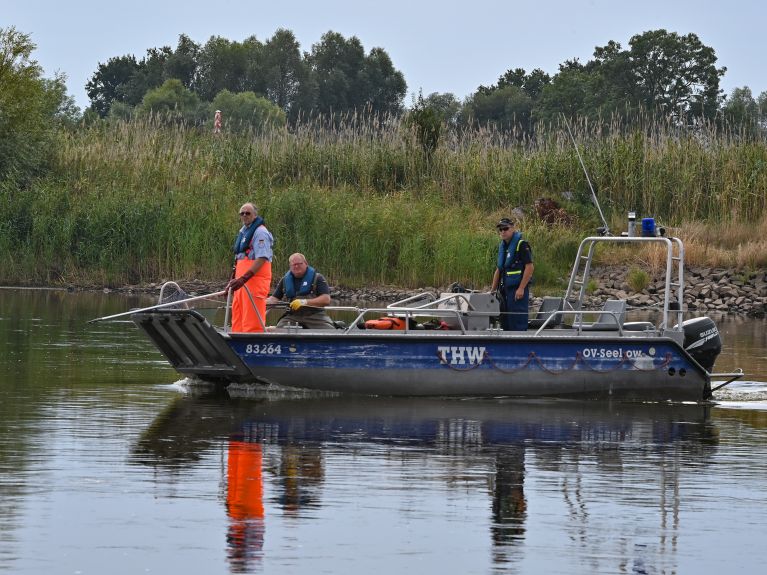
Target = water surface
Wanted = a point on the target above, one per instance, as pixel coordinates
(110, 462)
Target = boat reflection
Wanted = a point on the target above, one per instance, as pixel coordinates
(290, 439)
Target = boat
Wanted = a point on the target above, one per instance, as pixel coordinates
(450, 345)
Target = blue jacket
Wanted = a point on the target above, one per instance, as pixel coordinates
(509, 261)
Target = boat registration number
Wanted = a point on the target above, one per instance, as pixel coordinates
(263, 349)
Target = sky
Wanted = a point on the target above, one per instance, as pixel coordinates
(439, 45)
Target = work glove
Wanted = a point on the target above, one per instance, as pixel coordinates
(237, 283)
(234, 285)
(296, 304)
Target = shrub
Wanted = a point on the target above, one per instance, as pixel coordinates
(638, 279)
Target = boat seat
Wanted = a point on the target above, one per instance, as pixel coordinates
(549, 305)
(638, 326)
(606, 321)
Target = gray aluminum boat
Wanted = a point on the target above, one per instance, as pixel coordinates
(560, 355)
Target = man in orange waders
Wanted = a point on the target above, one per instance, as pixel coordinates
(253, 270)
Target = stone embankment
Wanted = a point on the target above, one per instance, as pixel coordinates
(706, 289)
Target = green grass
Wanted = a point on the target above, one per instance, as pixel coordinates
(142, 202)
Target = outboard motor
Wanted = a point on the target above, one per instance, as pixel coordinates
(702, 341)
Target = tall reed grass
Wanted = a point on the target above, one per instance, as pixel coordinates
(144, 201)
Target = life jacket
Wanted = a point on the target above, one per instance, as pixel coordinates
(245, 236)
(509, 262)
(385, 323)
(308, 283)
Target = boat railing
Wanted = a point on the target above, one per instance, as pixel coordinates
(457, 298)
(409, 313)
(413, 298)
(613, 323)
(673, 290)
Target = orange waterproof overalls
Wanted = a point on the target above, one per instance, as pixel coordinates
(244, 316)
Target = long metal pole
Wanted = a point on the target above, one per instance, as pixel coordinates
(158, 306)
(593, 193)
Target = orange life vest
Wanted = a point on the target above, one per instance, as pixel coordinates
(386, 323)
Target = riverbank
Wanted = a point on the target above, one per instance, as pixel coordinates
(707, 289)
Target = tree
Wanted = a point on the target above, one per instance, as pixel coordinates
(254, 79)
(347, 80)
(504, 108)
(110, 83)
(446, 105)
(150, 73)
(761, 103)
(571, 92)
(284, 69)
(120, 111)
(171, 101)
(509, 103)
(741, 111)
(182, 63)
(222, 65)
(247, 110)
(535, 82)
(662, 73)
(30, 107)
(426, 123)
(383, 86)
(675, 75)
(337, 63)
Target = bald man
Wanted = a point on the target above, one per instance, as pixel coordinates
(303, 286)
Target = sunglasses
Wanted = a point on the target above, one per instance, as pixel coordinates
(244, 213)
(504, 229)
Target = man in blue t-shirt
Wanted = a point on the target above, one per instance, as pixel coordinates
(307, 290)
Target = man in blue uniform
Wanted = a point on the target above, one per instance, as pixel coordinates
(307, 290)
(512, 277)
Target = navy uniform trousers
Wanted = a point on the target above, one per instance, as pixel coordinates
(516, 317)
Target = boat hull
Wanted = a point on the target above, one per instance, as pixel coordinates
(436, 363)
(467, 365)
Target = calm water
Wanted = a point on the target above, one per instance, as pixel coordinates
(110, 464)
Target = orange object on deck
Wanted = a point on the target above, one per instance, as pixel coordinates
(386, 323)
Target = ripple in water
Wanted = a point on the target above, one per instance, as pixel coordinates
(750, 394)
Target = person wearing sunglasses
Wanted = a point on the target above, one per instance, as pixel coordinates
(252, 269)
(512, 277)
(307, 291)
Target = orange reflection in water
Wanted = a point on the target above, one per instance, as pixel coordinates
(244, 504)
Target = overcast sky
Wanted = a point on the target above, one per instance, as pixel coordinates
(439, 46)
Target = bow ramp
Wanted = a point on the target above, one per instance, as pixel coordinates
(191, 344)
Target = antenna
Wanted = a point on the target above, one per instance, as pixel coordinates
(593, 193)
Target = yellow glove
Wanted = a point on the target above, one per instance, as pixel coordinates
(296, 304)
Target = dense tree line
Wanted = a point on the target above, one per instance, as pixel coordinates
(660, 74)
(336, 76)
